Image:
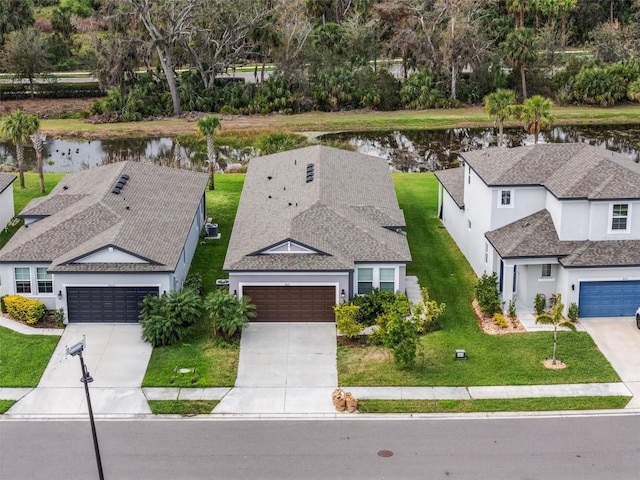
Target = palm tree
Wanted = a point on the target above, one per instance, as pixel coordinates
(500, 105)
(536, 114)
(38, 139)
(17, 127)
(207, 127)
(521, 48)
(555, 318)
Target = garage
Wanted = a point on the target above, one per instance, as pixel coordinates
(609, 299)
(292, 303)
(106, 304)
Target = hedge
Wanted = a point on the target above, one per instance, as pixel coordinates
(25, 309)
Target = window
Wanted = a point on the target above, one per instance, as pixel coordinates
(388, 279)
(45, 281)
(506, 198)
(546, 270)
(23, 279)
(365, 280)
(619, 216)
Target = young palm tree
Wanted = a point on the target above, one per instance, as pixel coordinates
(555, 318)
(207, 127)
(17, 127)
(38, 139)
(536, 115)
(500, 105)
(521, 48)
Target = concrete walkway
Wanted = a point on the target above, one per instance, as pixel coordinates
(116, 358)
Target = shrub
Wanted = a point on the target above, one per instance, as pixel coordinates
(426, 314)
(539, 303)
(3, 307)
(421, 91)
(194, 282)
(277, 142)
(165, 318)
(487, 294)
(227, 313)
(512, 308)
(377, 302)
(401, 336)
(59, 316)
(25, 309)
(346, 319)
(574, 312)
(500, 320)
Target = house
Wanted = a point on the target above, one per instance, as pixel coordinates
(314, 227)
(549, 218)
(104, 238)
(6, 199)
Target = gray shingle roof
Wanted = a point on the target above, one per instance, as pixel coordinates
(535, 236)
(6, 180)
(452, 180)
(149, 219)
(570, 170)
(343, 212)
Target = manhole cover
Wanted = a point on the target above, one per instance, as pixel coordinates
(385, 453)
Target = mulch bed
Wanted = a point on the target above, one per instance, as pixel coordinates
(489, 327)
(48, 321)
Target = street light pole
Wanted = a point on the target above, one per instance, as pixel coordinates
(77, 350)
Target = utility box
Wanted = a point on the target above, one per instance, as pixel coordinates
(222, 282)
(211, 229)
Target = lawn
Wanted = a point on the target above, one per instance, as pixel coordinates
(216, 363)
(497, 405)
(182, 407)
(23, 358)
(493, 360)
(6, 405)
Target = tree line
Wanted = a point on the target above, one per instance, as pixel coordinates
(159, 57)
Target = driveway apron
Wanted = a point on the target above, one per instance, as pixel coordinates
(619, 340)
(284, 368)
(116, 358)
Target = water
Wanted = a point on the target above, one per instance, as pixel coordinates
(406, 150)
(427, 150)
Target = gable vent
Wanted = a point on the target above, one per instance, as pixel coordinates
(310, 172)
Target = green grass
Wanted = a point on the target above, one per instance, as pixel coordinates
(514, 359)
(6, 405)
(497, 405)
(182, 407)
(23, 358)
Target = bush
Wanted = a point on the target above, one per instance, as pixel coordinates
(277, 142)
(59, 316)
(426, 314)
(540, 303)
(227, 313)
(194, 282)
(512, 308)
(346, 320)
(401, 337)
(574, 312)
(165, 318)
(500, 320)
(421, 91)
(377, 302)
(25, 309)
(3, 307)
(487, 294)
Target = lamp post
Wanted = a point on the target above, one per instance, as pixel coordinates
(76, 350)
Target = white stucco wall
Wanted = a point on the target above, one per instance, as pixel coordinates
(525, 201)
(110, 255)
(184, 263)
(570, 217)
(7, 209)
(600, 222)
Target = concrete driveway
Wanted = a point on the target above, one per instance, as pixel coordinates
(116, 358)
(618, 339)
(284, 368)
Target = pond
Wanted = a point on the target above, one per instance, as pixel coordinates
(406, 150)
(426, 150)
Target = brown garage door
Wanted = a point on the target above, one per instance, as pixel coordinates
(292, 304)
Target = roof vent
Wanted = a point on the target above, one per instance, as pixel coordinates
(116, 191)
(66, 187)
(269, 177)
(122, 181)
(125, 177)
(310, 172)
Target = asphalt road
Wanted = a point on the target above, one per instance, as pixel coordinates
(593, 447)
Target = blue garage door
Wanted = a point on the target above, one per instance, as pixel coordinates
(609, 299)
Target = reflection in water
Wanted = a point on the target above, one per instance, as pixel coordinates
(427, 150)
(67, 155)
(407, 150)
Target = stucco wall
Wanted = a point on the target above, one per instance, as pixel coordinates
(6, 206)
(182, 268)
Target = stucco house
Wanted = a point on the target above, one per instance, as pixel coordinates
(314, 227)
(104, 238)
(549, 218)
(6, 199)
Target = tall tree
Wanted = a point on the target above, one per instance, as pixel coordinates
(38, 139)
(521, 48)
(500, 105)
(536, 115)
(25, 55)
(17, 127)
(14, 15)
(207, 127)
